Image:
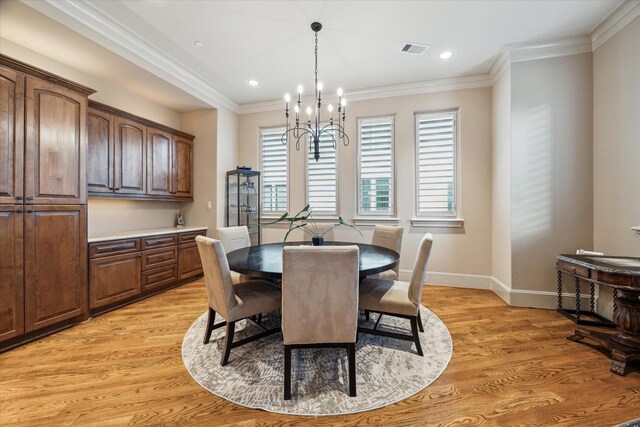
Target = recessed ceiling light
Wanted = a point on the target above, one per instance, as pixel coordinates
(253, 83)
(446, 54)
(198, 43)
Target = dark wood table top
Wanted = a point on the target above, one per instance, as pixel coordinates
(266, 260)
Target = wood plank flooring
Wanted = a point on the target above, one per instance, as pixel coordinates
(510, 367)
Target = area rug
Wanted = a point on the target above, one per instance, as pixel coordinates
(388, 370)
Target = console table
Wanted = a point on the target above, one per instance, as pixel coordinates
(623, 275)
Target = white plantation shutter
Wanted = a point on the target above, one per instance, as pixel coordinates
(375, 151)
(274, 171)
(322, 178)
(436, 163)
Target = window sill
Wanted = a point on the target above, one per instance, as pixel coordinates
(375, 220)
(437, 222)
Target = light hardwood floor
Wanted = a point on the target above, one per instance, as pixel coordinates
(510, 366)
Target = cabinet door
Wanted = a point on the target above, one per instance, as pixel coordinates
(11, 276)
(113, 278)
(183, 167)
(11, 135)
(55, 277)
(130, 166)
(189, 264)
(56, 144)
(159, 146)
(100, 158)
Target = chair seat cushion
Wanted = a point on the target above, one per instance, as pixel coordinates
(389, 296)
(387, 275)
(254, 297)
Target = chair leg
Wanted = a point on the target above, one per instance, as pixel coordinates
(420, 321)
(416, 337)
(366, 315)
(287, 372)
(351, 356)
(228, 341)
(210, 322)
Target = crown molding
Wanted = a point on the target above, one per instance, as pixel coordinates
(102, 29)
(404, 89)
(615, 21)
(521, 52)
(499, 64)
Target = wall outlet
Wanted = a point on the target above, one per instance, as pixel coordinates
(208, 204)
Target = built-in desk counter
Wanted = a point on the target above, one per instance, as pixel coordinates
(125, 266)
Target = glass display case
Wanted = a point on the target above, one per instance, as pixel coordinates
(243, 201)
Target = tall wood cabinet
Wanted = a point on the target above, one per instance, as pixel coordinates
(43, 225)
(135, 158)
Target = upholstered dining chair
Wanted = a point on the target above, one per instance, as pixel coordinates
(242, 301)
(391, 238)
(320, 303)
(233, 238)
(400, 299)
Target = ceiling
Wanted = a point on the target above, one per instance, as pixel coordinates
(271, 41)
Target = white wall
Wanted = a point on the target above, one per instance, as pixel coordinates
(461, 251)
(227, 156)
(551, 167)
(616, 148)
(501, 180)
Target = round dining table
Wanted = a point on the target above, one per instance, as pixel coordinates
(265, 261)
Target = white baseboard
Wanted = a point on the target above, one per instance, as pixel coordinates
(513, 297)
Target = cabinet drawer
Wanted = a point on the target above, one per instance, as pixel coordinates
(190, 236)
(159, 257)
(159, 241)
(159, 277)
(574, 269)
(113, 247)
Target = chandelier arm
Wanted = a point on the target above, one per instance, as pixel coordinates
(331, 134)
(342, 134)
(300, 137)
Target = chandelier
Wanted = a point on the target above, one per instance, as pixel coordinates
(314, 127)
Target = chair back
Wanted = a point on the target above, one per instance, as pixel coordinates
(233, 238)
(420, 269)
(320, 294)
(217, 275)
(388, 237)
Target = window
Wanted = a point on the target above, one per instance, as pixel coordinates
(375, 166)
(322, 177)
(274, 171)
(436, 152)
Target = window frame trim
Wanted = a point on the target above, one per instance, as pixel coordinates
(323, 215)
(261, 130)
(456, 214)
(392, 211)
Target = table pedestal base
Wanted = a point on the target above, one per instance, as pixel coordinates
(621, 354)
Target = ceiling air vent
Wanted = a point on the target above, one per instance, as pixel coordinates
(414, 48)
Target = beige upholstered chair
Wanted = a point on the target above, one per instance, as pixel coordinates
(400, 299)
(233, 238)
(233, 303)
(320, 302)
(391, 238)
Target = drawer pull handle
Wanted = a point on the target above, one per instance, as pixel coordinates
(30, 198)
(19, 198)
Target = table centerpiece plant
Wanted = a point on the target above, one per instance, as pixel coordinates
(304, 221)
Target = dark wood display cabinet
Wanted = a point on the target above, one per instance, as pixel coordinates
(135, 158)
(43, 223)
(139, 264)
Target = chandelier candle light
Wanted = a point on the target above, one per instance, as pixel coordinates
(314, 129)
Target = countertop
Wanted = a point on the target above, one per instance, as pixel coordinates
(116, 235)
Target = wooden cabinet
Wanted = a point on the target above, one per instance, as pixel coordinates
(11, 135)
(101, 152)
(124, 270)
(113, 279)
(159, 162)
(130, 157)
(148, 160)
(183, 167)
(11, 272)
(55, 253)
(55, 125)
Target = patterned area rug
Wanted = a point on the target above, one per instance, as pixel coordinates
(388, 370)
